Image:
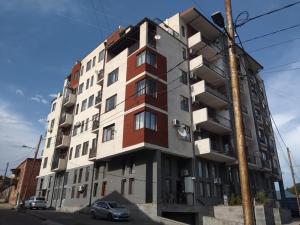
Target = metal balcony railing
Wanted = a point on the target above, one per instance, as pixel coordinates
(216, 117)
(213, 67)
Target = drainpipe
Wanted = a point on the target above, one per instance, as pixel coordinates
(92, 186)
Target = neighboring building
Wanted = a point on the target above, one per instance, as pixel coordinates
(21, 175)
(147, 115)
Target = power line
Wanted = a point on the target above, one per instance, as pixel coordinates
(271, 33)
(267, 13)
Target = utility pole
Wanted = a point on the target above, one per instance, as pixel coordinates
(238, 120)
(293, 176)
(7, 164)
(32, 168)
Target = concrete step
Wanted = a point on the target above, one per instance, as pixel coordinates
(214, 221)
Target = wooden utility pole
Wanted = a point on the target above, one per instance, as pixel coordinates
(238, 121)
(294, 180)
(32, 168)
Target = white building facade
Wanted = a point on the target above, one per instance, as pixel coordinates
(146, 119)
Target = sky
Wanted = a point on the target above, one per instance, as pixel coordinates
(41, 39)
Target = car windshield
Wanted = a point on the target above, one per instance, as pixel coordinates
(114, 205)
(40, 199)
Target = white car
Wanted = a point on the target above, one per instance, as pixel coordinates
(36, 202)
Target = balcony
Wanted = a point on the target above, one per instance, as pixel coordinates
(69, 100)
(211, 121)
(98, 100)
(93, 153)
(62, 141)
(100, 77)
(95, 126)
(59, 164)
(211, 150)
(198, 42)
(206, 71)
(66, 120)
(203, 93)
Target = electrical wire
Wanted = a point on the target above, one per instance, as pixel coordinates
(247, 20)
(271, 33)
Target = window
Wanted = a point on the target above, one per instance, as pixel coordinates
(201, 189)
(83, 105)
(95, 189)
(53, 106)
(123, 182)
(77, 151)
(91, 101)
(87, 173)
(131, 167)
(206, 172)
(146, 86)
(80, 175)
(112, 77)
(82, 126)
(45, 162)
(108, 133)
(184, 103)
(49, 183)
(77, 108)
(82, 70)
(146, 57)
(168, 167)
(94, 61)
(131, 186)
(75, 177)
(208, 190)
(49, 142)
(184, 56)
(70, 153)
(72, 192)
(110, 103)
(200, 169)
(80, 88)
(88, 65)
(87, 124)
(97, 170)
(52, 124)
(184, 77)
(103, 190)
(168, 185)
(87, 84)
(101, 56)
(182, 31)
(85, 147)
(145, 120)
(92, 81)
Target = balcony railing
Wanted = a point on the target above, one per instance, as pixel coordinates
(66, 119)
(62, 141)
(216, 117)
(69, 100)
(98, 99)
(100, 76)
(95, 125)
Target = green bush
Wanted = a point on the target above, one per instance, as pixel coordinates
(234, 200)
(262, 198)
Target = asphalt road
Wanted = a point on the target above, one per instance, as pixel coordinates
(11, 217)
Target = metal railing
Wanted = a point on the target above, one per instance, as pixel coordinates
(93, 152)
(95, 124)
(216, 117)
(98, 99)
(213, 67)
(100, 75)
(215, 92)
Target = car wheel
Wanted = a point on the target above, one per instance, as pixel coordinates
(109, 217)
(93, 215)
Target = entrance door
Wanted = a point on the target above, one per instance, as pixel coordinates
(103, 190)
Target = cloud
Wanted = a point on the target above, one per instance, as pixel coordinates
(283, 119)
(52, 95)
(15, 131)
(44, 122)
(39, 98)
(19, 92)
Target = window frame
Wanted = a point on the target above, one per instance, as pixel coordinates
(107, 100)
(108, 133)
(145, 120)
(115, 76)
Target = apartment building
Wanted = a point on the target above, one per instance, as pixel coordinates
(146, 119)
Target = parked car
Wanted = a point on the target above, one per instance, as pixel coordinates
(36, 202)
(109, 210)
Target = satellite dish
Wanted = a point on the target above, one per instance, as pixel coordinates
(157, 37)
(182, 132)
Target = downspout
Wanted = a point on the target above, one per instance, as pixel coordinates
(92, 186)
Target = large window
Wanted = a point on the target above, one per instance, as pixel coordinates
(80, 88)
(45, 162)
(88, 65)
(146, 86)
(184, 77)
(112, 77)
(48, 142)
(91, 101)
(77, 151)
(85, 148)
(145, 120)
(146, 57)
(108, 133)
(83, 105)
(184, 103)
(110, 103)
(101, 56)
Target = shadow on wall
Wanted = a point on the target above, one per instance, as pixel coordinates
(137, 216)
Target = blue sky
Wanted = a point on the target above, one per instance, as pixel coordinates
(41, 39)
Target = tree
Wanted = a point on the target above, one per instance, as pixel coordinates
(292, 189)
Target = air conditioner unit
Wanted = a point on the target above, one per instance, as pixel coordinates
(184, 173)
(217, 180)
(81, 188)
(176, 122)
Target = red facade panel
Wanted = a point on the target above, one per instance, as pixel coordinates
(74, 78)
(133, 100)
(159, 71)
(159, 137)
